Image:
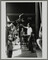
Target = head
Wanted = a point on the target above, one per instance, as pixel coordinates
(9, 24)
(28, 25)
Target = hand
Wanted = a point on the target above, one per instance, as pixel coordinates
(21, 14)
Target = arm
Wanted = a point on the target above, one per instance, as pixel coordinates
(23, 26)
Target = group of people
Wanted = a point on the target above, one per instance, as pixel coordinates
(12, 38)
(18, 36)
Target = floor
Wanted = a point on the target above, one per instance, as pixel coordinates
(24, 52)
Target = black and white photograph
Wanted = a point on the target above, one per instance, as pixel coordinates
(23, 29)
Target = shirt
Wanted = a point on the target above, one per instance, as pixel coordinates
(29, 30)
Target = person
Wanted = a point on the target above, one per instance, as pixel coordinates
(7, 31)
(29, 32)
(22, 33)
(31, 43)
(30, 38)
(15, 33)
(39, 40)
(10, 45)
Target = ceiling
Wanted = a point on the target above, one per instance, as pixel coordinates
(20, 8)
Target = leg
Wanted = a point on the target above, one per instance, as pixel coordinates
(38, 42)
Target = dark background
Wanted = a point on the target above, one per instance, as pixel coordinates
(14, 9)
(20, 7)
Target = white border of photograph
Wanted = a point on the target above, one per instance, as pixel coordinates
(44, 30)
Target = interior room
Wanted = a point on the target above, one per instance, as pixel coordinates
(31, 14)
